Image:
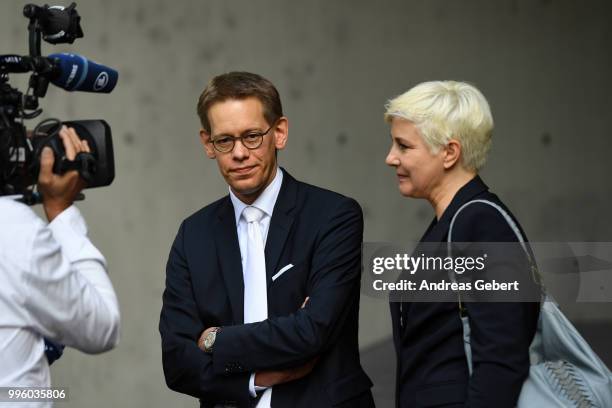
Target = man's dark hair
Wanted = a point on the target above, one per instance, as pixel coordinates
(240, 85)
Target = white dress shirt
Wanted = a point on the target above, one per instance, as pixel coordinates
(54, 285)
(265, 202)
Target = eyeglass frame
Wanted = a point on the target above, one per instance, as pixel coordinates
(241, 138)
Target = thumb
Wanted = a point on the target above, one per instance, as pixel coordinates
(46, 160)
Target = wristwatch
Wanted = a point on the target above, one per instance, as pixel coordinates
(210, 338)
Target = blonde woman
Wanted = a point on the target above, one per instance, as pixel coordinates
(441, 134)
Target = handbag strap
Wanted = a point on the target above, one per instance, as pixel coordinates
(503, 212)
(513, 226)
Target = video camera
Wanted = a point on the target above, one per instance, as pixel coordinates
(20, 150)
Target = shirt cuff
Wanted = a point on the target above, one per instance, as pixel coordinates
(254, 389)
(252, 386)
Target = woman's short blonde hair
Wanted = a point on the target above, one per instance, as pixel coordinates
(444, 110)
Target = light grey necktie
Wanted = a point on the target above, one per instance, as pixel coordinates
(255, 288)
(255, 292)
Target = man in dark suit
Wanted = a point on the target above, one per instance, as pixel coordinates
(262, 286)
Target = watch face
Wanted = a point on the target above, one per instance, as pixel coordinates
(210, 340)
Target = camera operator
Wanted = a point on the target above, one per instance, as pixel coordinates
(54, 281)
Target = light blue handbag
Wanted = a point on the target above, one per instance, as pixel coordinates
(565, 371)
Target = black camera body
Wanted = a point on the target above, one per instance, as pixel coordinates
(20, 150)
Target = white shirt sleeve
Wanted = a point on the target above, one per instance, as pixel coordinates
(253, 389)
(69, 297)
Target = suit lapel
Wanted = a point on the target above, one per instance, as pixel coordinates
(228, 254)
(437, 232)
(280, 224)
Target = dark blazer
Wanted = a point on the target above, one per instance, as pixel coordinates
(320, 233)
(431, 367)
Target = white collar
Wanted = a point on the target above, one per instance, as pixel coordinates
(266, 200)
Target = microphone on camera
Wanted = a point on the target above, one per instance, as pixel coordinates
(76, 73)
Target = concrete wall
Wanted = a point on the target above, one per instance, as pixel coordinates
(544, 66)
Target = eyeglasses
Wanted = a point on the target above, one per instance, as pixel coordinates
(251, 140)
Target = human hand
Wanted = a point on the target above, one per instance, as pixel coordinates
(59, 191)
(274, 377)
